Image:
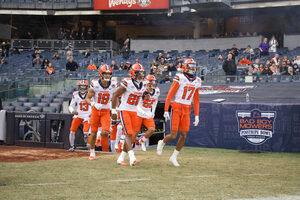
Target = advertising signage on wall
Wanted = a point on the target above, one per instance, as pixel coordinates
(130, 4)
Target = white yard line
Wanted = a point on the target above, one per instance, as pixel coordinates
(43, 184)
(128, 180)
(281, 197)
(257, 174)
(199, 176)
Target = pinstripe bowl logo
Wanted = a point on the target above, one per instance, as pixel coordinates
(256, 126)
(144, 3)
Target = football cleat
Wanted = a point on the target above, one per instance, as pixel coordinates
(92, 158)
(123, 163)
(71, 149)
(174, 161)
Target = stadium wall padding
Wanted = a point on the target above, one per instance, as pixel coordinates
(194, 44)
(219, 127)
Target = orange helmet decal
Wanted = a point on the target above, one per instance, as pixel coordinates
(136, 68)
(151, 81)
(104, 69)
(189, 66)
(83, 86)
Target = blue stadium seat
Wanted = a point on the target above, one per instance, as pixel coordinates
(17, 104)
(21, 108)
(36, 108)
(49, 109)
(51, 96)
(9, 108)
(22, 99)
(29, 104)
(34, 100)
(46, 100)
(5, 103)
(39, 96)
(43, 104)
(57, 106)
(58, 100)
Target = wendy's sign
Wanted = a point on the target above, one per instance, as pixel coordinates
(130, 4)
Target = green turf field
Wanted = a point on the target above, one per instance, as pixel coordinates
(204, 174)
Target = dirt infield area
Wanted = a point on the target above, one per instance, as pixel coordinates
(29, 154)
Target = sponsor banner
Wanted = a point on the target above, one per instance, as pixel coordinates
(130, 4)
(255, 126)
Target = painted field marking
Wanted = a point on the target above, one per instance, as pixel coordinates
(257, 174)
(199, 176)
(43, 184)
(280, 197)
(128, 180)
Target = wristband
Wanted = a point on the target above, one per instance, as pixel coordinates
(114, 112)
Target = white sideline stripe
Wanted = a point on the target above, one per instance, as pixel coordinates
(42, 184)
(200, 176)
(257, 174)
(281, 197)
(128, 180)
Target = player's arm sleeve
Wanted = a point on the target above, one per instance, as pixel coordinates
(196, 102)
(72, 105)
(172, 92)
(154, 107)
(124, 83)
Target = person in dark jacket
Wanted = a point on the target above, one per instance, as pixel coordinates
(266, 71)
(229, 67)
(71, 65)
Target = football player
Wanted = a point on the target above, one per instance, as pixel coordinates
(101, 91)
(146, 109)
(81, 114)
(131, 90)
(185, 88)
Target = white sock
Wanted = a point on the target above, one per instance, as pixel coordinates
(72, 138)
(119, 133)
(144, 139)
(99, 133)
(92, 152)
(122, 156)
(86, 137)
(175, 153)
(131, 155)
(112, 145)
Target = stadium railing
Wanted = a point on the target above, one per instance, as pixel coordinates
(106, 45)
(47, 4)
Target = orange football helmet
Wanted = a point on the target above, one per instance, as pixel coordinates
(189, 66)
(135, 70)
(83, 86)
(151, 81)
(105, 69)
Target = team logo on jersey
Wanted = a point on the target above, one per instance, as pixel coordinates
(144, 3)
(255, 126)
